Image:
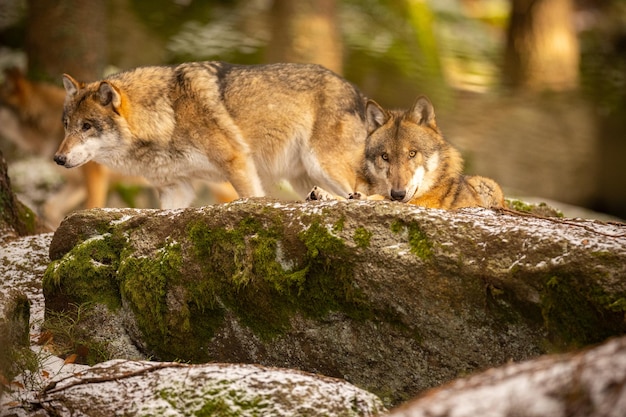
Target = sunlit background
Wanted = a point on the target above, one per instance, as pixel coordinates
(533, 92)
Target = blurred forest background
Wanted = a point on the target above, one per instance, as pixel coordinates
(533, 92)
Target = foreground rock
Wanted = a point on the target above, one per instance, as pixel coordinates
(16, 220)
(393, 298)
(40, 384)
(23, 261)
(586, 384)
(151, 388)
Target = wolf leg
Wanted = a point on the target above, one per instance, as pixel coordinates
(96, 179)
(488, 192)
(178, 195)
(242, 174)
(319, 194)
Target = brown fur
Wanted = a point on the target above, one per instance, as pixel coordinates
(36, 109)
(249, 125)
(407, 159)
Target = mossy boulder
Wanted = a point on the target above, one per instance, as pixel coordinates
(391, 297)
(142, 388)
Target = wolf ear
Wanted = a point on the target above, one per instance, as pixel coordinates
(109, 95)
(423, 113)
(375, 115)
(71, 85)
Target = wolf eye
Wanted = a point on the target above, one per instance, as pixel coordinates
(385, 156)
(86, 126)
(412, 154)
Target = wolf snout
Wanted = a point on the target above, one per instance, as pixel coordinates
(398, 195)
(60, 159)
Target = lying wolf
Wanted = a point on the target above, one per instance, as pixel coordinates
(408, 160)
(249, 125)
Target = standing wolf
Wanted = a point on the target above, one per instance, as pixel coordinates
(250, 125)
(407, 159)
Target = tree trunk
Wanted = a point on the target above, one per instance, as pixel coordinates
(305, 31)
(542, 51)
(15, 218)
(67, 36)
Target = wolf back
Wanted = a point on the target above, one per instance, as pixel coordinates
(250, 125)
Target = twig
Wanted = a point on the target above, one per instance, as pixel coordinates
(566, 222)
(52, 387)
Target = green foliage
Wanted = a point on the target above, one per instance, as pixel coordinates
(15, 355)
(72, 337)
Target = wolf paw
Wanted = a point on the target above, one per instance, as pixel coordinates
(318, 194)
(354, 196)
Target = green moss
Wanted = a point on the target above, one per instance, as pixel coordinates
(339, 224)
(17, 215)
(578, 314)
(541, 209)
(419, 242)
(397, 226)
(221, 407)
(362, 237)
(215, 399)
(519, 205)
(88, 273)
(265, 286)
(329, 275)
(27, 218)
(241, 270)
(217, 407)
(144, 282)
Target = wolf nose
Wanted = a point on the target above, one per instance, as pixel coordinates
(398, 194)
(60, 159)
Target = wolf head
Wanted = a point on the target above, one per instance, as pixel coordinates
(91, 118)
(405, 154)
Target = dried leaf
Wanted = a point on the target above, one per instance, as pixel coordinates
(17, 384)
(44, 338)
(72, 358)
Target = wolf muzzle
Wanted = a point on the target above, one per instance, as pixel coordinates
(398, 195)
(60, 159)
